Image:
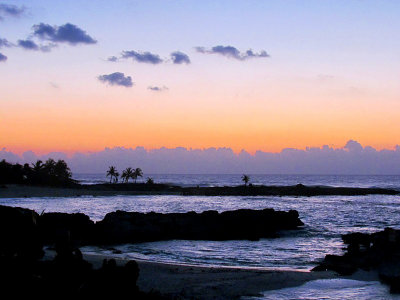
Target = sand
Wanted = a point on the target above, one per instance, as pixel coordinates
(196, 282)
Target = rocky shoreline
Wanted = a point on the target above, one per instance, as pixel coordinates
(378, 252)
(74, 190)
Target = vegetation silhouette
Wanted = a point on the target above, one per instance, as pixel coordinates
(137, 173)
(112, 173)
(245, 179)
(53, 173)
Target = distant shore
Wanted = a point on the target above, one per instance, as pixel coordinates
(77, 190)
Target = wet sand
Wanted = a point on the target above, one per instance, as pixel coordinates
(195, 282)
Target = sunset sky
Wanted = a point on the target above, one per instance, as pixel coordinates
(85, 75)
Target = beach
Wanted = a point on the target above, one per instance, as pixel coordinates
(201, 282)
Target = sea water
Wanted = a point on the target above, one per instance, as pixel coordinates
(326, 218)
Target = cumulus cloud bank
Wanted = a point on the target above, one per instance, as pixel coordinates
(9, 10)
(67, 33)
(353, 158)
(116, 78)
(142, 57)
(180, 58)
(232, 52)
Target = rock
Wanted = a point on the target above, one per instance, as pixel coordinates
(378, 251)
(56, 227)
(19, 233)
(130, 227)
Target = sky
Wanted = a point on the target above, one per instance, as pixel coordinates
(82, 76)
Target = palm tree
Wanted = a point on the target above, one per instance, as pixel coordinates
(150, 181)
(116, 177)
(126, 174)
(38, 166)
(245, 179)
(137, 173)
(111, 172)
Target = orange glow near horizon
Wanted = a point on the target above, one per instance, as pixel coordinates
(271, 127)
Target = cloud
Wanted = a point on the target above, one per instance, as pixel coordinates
(313, 160)
(112, 59)
(180, 58)
(67, 33)
(157, 88)
(8, 10)
(3, 57)
(116, 78)
(4, 43)
(142, 57)
(232, 52)
(28, 45)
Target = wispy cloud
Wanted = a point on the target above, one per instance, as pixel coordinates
(9, 10)
(112, 59)
(4, 43)
(116, 78)
(157, 88)
(67, 33)
(232, 52)
(142, 57)
(180, 58)
(3, 57)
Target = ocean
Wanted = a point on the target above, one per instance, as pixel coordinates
(325, 218)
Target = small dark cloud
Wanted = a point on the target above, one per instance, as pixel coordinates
(112, 59)
(142, 57)
(157, 88)
(67, 33)
(116, 78)
(28, 45)
(31, 45)
(9, 10)
(180, 58)
(4, 43)
(232, 52)
(54, 85)
(3, 57)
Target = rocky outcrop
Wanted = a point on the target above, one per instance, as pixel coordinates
(22, 225)
(378, 251)
(19, 233)
(130, 227)
(58, 226)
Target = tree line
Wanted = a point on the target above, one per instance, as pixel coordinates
(127, 174)
(50, 172)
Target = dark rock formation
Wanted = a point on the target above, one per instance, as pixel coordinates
(19, 233)
(378, 251)
(295, 190)
(22, 274)
(130, 227)
(57, 226)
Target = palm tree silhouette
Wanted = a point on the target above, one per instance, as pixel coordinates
(137, 173)
(112, 171)
(245, 179)
(126, 174)
(124, 177)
